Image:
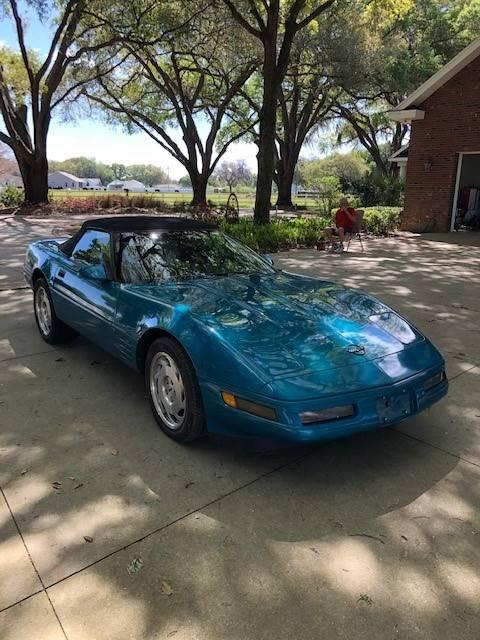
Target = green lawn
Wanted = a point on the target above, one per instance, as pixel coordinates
(245, 201)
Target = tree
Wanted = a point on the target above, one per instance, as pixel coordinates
(305, 100)
(233, 173)
(149, 174)
(84, 168)
(275, 24)
(31, 88)
(185, 181)
(187, 81)
(393, 48)
(349, 169)
(29, 83)
(326, 188)
(119, 171)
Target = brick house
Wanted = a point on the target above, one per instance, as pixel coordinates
(442, 159)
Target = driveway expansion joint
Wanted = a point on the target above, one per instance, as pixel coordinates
(27, 355)
(20, 288)
(43, 590)
(434, 446)
(457, 375)
(186, 515)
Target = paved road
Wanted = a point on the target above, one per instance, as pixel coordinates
(376, 536)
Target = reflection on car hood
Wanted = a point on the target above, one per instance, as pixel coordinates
(287, 324)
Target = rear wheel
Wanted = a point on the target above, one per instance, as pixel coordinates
(173, 391)
(51, 328)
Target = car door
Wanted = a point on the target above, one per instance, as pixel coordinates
(84, 295)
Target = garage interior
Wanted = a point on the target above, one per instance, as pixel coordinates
(466, 208)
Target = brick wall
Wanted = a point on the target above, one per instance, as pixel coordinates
(451, 125)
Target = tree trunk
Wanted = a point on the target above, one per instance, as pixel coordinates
(199, 186)
(284, 183)
(266, 138)
(35, 178)
(284, 198)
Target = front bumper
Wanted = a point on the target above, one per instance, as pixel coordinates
(374, 408)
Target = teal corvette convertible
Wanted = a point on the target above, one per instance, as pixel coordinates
(228, 343)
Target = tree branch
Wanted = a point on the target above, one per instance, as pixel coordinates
(241, 20)
(21, 42)
(315, 13)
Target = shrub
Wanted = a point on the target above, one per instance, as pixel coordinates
(381, 220)
(327, 188)
(278, 235)
(112, 201)
(11, 196)
(377, 189)
(303, 232)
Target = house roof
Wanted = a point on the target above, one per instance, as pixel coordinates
(134, 182)
(126, 182)
(10, 178)
(70, 176)
(424, 91)
(401, 155)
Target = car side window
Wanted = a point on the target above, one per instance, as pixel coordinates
(132, 269)
(93, 247)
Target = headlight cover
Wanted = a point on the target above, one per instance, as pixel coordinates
(329, 413)
(434, 380)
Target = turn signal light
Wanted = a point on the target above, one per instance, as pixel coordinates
(249, 407)
(229, 399)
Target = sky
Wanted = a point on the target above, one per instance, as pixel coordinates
(95, 139)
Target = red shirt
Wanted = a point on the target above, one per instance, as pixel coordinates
(342, 220)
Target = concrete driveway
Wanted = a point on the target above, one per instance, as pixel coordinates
(108, 530)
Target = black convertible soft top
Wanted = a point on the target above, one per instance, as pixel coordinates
(144, 223)
(136, 223)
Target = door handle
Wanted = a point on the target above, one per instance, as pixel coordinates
(61, 273)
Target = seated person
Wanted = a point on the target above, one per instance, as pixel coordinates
(344, 222)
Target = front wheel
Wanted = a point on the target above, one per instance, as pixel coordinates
(173, 391)
(50, 327)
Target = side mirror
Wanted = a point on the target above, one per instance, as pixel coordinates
(93, 271)
(268, 259)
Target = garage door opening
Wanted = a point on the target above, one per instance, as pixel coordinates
(466, 201)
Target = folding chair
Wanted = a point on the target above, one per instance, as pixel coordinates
(330, 244)
(357, 230)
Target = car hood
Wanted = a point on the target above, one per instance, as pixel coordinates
(287, 325)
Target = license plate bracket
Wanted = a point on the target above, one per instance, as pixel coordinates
(394, 407)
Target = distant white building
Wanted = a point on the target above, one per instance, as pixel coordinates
(92, 183)
(170, 188)
(64, 180)
(132, 185)
(9, 180)
(165, 188)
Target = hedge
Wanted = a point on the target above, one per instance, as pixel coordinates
(305, 232)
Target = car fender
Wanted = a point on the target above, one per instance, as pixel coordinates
(212, 357)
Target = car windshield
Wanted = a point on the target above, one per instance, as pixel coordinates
(181, 255)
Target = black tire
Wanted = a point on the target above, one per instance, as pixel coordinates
(57, 331)
(192, 420)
